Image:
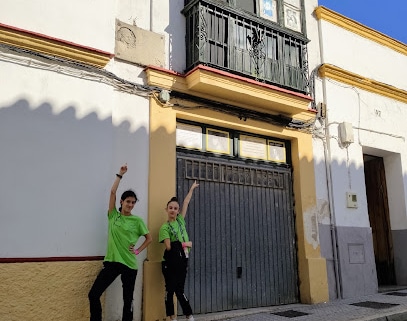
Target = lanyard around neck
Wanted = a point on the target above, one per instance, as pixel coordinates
(181, 230)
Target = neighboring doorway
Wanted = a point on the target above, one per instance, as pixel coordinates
(378, 208)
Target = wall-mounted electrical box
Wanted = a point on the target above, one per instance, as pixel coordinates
(346, 133)
(164, 96)
(351, 200)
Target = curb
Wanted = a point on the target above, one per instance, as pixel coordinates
(402, 316)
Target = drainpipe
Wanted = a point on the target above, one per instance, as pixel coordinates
(328, 170)
(334, 237)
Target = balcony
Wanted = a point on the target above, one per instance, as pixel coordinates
(225, 38)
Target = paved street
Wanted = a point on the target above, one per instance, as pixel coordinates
(386, 306)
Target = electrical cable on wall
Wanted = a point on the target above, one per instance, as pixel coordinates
(239, 112)
(360, 101)
(75, 69)
(83, 71)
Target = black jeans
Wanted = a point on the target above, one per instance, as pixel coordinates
(174, 276)
(110, 271)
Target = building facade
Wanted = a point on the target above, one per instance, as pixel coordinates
(215, 91)
(360, 156)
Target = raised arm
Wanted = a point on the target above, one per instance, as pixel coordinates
(119, 175)
(187, 199)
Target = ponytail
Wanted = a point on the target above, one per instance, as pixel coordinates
(173, 199)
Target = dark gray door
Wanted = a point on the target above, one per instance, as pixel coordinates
(241, 223)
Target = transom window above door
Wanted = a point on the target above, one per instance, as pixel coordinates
(231, 144)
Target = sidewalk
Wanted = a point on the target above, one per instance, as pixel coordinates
(386, 306)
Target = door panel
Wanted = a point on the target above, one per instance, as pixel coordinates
(376, 192)
(241, 223)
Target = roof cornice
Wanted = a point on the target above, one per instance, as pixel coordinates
(346, 77)
(40, 43)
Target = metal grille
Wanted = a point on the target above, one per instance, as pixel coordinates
(241, 223)
(233, 174)
(229, 39)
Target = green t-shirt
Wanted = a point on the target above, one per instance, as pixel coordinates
(175, 231)
(123, 231)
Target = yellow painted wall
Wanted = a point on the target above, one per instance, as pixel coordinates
(46, 291)
(162, 180)
(162, 185)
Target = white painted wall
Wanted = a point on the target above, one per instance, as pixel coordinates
(362, 56)
(378, 124)
(85, 22)
(91, 23)
(380, 133)
(314, 61)
(312, 34)
(379, 129)
(62, 139)
(52, 143)
(396, 188)
(63, 136)
(162, 18)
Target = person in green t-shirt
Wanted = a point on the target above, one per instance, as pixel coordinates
(124, 230)
(174, 235)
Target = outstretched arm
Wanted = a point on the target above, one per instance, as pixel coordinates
(187, 199)
(112, 199)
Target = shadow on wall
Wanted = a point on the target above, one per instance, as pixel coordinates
(361, 247)
(56, 172)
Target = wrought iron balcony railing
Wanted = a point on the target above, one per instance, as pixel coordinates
(225, 38)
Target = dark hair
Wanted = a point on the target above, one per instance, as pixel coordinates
(174, 199)
(126, 194)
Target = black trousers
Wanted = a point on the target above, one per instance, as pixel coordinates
(174, 276)
(110, 271)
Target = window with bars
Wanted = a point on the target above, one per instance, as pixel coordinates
(260, 39)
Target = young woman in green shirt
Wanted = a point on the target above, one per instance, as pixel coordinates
(174, 235)
(124, 230)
